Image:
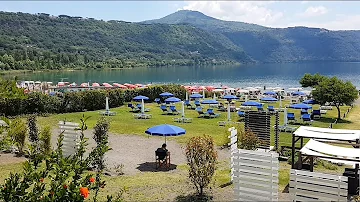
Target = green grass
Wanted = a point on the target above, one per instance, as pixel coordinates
(124, 123)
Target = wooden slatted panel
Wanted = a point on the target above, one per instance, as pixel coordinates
(256, 175)
(233, 147)
(311, 186)
(259, 123)
(276, 130)
(71, 137)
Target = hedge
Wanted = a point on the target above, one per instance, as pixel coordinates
(80, 101)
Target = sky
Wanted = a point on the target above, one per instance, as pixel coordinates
(333, 15)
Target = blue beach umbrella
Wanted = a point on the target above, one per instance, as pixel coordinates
(251, 103)
(172, 99)
(230, 97)
(309, 102)
(269, 93)
(166, 94)
(165, 130)
(300, 106)
(269, 99)
(210, 102)
(298, 93)
(196, 95)
(140, 97)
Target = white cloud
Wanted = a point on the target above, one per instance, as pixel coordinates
(314, 11)
(244, 11)
(349, 22)
(304, 2)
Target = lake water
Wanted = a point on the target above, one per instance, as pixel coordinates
(271, 75)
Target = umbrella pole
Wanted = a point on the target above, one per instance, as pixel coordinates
(165, 139)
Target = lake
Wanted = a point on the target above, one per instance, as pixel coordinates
(271, 75)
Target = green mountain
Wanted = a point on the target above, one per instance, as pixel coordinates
(50, 42)
(265, 44)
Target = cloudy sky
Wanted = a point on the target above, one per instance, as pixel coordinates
(335, 15)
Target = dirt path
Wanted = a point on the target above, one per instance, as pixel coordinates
(137, 153)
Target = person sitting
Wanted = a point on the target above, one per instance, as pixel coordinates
(162, 156)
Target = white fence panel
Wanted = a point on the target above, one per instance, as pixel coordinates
(256, 175)
(71, 137)
(233, 147)
(311, 186)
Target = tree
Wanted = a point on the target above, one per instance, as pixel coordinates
(201, 157)
(335, 91)
(309, 80)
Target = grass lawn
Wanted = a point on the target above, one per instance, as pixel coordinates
(155, 186)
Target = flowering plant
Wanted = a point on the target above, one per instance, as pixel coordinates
(54, 177)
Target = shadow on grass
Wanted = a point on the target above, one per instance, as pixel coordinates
(151, 167)
(286, 189)
(226, 184)
(331, 120)
(193, 198)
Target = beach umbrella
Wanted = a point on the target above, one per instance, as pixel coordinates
(166, 94)
(203, 93)
(268, 99)
(300, 106)
(280, 103)
(140, 97)
(229, 97)
(182, 109)
(210, 102)
(297, 89)
(285, 116)
(246, 98)
(270, 93)
(165, 130)
(196, 95)
(310, 102)
(107, 108)
(172, 99)
(228, 112)
(142, 106)
(218, 90)
(251, 103)
(298, 93)
(215, 96)
(186, 96)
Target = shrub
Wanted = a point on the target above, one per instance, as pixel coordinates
(18, 133)
(58, 179)
(33, 130)
(201, 157)
(248, 140)
(45, 140)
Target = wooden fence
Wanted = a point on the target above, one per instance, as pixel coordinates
(255, 175)
(233, 148)
(71, 137)
(311, 186)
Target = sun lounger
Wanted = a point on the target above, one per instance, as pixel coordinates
(326, 108)
(306, 118)
(245, 107)
(197, 103)
(108, 113)
(142, 116)
(183, 120)
(316, 114)
(157, 100)
(173, 110)
(271, 109)
(134, 108)
(188, 104)
(212, 114)
(165, 109)
(304, 111)
(241, 113)
(291, 117)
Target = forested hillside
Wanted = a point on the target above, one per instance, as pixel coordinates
(265, 44)
(47, 42)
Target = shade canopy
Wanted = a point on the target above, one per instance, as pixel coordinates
(172, 99)
(140, 97)
(196, 95)
(229, 97)
(310, 102)
(300, 106)
(165, 130)
(327, 133)
(251, 103)
(209, 102)
(269, 99)
(270, 93)
(298, 93)
(166, 94)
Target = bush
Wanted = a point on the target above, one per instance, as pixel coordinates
(201, 158)
(18, 133)
(248, 140)
(45, 140)
(53, 177)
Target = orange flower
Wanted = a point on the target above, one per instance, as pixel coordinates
(65, 186)
(92, 180)
(41, 179)
(84, 191)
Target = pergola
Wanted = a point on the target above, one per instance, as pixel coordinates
(318, 146)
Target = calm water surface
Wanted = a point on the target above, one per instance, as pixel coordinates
(271, 75)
